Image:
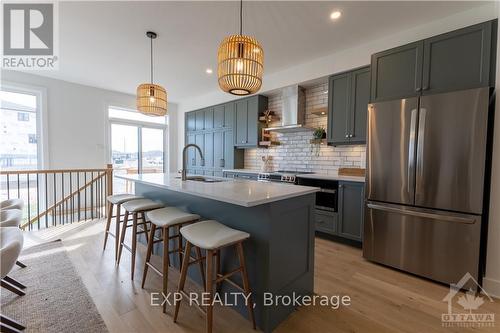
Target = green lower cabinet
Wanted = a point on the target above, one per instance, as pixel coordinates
(351, 210)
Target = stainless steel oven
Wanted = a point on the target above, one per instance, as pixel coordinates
(327, 197)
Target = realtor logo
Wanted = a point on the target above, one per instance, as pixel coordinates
(470, 302)
(29, 36)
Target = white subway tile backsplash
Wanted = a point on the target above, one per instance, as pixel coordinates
(296, 152)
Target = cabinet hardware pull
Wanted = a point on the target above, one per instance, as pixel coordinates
(418, 89)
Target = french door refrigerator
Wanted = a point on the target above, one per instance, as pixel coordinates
(426, 167)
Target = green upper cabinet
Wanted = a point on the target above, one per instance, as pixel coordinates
(339, 91)
(360, 92)
(190, 121)
(397, 73)
(224, 116)
(247, 126)
(348, 97)
(461, 59)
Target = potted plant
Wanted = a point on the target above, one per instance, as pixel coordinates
(319, 133)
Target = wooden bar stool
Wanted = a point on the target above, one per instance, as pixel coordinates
(213, 236)
(138, 208)
(168, 218)
(118, 200)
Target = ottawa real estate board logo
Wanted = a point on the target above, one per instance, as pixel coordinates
(30, 35)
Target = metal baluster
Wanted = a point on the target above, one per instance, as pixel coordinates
(29, 205)
(18, 192)
(62, 198)
(54, 221)
(92, 195)
(78, 189)
(72, 197)
(46, 201)
(85, 184)
(97, 195)
(38, 201)
(8, 187)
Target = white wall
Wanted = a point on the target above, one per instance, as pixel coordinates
(491, 282)
(343, 60)
(76, 119)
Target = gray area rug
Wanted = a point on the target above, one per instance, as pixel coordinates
(56, 299)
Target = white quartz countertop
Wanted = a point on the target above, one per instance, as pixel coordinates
(253, 171)
(333, 177)
(240, 192)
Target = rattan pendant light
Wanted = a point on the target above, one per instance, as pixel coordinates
(240, 63)
(151, 98)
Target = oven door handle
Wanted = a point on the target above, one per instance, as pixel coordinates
(328, 191)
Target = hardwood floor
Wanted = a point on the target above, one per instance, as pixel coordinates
(382, 299)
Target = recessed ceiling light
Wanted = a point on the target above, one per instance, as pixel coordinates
(335, 15)
(209, 71)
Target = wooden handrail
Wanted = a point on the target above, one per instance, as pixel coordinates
(60, 202)
(23, 172)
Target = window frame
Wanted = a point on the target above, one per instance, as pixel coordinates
(41, 117)
(140, 125)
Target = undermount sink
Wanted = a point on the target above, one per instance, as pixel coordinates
(203, 179)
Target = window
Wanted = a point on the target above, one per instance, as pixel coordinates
(19, 148)
(137, 145)
(23, 116)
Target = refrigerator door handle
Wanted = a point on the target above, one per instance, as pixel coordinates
(420, 151)
(410, 181)
(444, 216)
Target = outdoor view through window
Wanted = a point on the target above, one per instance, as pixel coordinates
(137, 145)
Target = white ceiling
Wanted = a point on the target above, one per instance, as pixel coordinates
(103, 44)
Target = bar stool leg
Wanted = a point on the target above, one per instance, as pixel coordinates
(122, 237)
(166, 263)
(202, 270)
(134, 245)
(108, 224)
(246, 286)
(208, 290)
(217, 269)
(117, 229)
(182, 280)
(145, 226)
(148, 254)
(180, 243)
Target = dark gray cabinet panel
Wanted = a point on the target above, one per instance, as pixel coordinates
(351, 209)
(397, 73)
(247, 126)
(458, 60)
(348, 97)
(224, 116)
(208, 151)
(191, 160)
(326, 221)
(200, 142)
(360, 93)
(209, 118)
(190, 121)
(241, 130)
(339, 88)
(219, 150)
(231, 158)
(200, 120)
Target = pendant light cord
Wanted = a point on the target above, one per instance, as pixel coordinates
(241, 17)
(151, 59)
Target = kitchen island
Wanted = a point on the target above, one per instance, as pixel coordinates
(279, 218)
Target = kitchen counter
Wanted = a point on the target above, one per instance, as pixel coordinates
(252, 171)
(240, 192)
(279, 218)
(333, 177)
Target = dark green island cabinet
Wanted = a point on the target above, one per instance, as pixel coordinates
(347, 222)
(457, 60)
(219, 130)
(348, 97)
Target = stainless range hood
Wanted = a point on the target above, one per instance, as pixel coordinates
(293, 115)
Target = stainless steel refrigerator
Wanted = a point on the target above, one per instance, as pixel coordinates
(426, 169)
